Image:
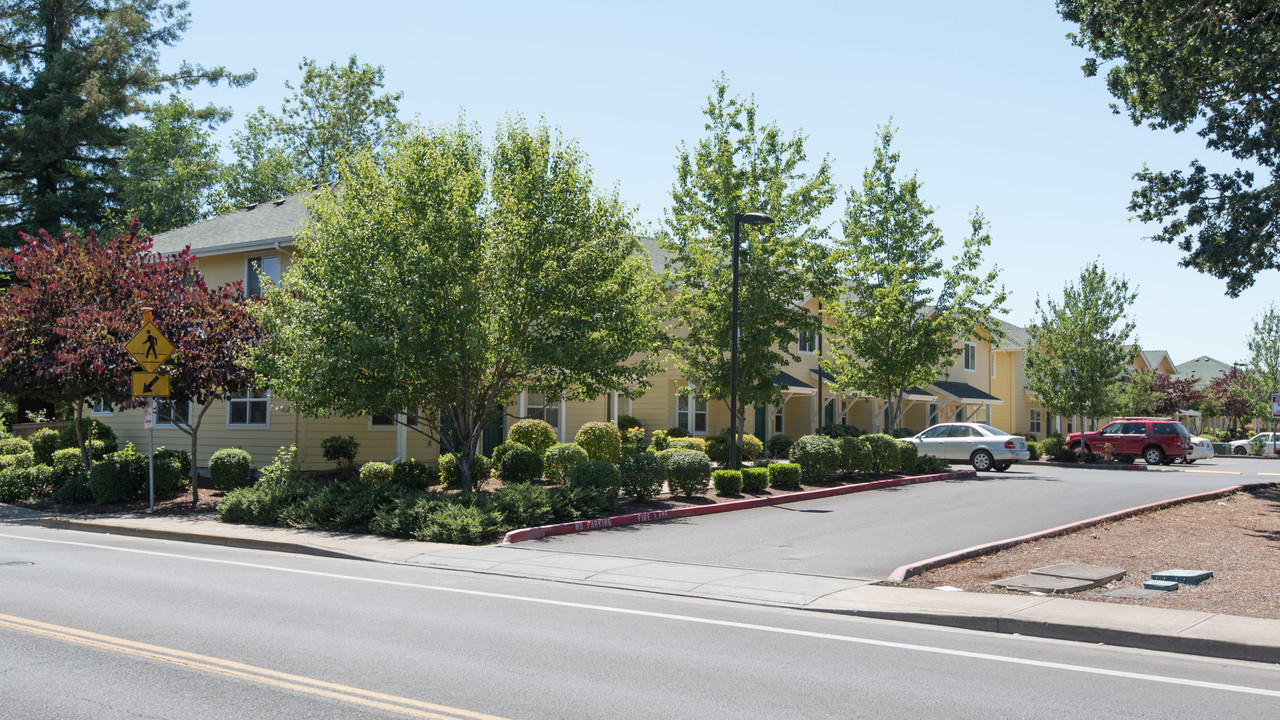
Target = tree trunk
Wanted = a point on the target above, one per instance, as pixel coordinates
(195, 465)
(86, 454)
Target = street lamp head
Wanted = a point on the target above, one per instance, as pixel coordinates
(754, 218)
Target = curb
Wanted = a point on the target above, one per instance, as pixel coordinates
(913, 569)
(205, 539)
(542, 531)
(1088, 466)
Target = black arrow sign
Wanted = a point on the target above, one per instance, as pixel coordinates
(147, 388)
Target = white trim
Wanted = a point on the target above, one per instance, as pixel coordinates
(813, 342)
(965, 361)
(95, 412)
(242, 398)
(379, 428)
(162, 420)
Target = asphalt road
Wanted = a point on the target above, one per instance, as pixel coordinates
(868, 535)
(103, 627)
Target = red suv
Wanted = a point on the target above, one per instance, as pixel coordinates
(1158, 441)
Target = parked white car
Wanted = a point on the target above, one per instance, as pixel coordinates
(1201, 449)
(1244, 447)
(984, 447)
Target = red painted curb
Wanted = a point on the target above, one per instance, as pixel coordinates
(906, 571)
(534, 533)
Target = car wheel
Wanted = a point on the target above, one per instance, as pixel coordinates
(1187, 461)
(1239, 451)
(982, 460)
(1153, 455)
(1001, 467)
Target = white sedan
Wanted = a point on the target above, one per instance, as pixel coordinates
(1244, 447)
(984, 447)
(1201, 449)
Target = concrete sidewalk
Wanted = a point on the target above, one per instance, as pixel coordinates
(1178, 631)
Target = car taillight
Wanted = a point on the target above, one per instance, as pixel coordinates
(1008, 445)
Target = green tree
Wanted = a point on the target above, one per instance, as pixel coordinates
(1264, 352)
(743, 166)
(1080, 347)
(481, 273)
(1212, 65)
(902, 310)
(170, 167)
(334, 112)
(71, 76)
(1138, 395)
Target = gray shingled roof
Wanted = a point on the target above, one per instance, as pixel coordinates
(260, 225)
(1203, 369)
(965, 392)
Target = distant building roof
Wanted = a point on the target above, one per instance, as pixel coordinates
(254, 226)
(965, 393)
(1203, 369)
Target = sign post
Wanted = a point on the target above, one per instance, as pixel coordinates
(150, 348)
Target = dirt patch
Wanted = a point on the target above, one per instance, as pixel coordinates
(1237, 537)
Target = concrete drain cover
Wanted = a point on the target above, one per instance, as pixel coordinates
(1062, 578)
(1135, 593)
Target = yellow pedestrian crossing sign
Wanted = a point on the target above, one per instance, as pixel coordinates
(150, 385)
(149, 347)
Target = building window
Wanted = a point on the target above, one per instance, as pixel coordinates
(933, 414)
(960, 414)
(538, 407)
(970, 356)
(777, 421)
(101, 408)
(172, 414)
(389, 421)
(808, 342)
(261, 267)
(251, 409)
(993, 365)
(684, 403)
(1033, 421)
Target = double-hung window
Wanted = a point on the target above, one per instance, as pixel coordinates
(259, 269)
(970, 356)
(1033, 421)
(540, 407)
(101, 408)
(251, 409)
(170, 413)
(691, 413)
(807, 342)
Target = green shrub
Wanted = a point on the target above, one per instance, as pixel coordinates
(376, 473)
(537, 435)
(562, 458)
(677, 432)
(522, 505)
(343, 506)
(727, 482)
(855, 455)
(931, 465)
(688, 472)
(93, 430)
(14, 446)
(835, 431)
(43, 442)
(600, 476)
(779, 446)
(659, 440)
(908, 453)
(601, 440)
(412, 475)
(459, 524)
(633, 441)
(818, 457)
(406, 514)
(340, 450)
(1053, 446)
(74, 490)
(25, 483)
(755, 479)
(520, 465)
(785, 476)
(717, 447)
(569, 504)
(229, 469)
(681, 444)
(280, 487)
(1033, 447)
(626, 422)
(172, 471)
(752, 447)
(499, 452)
(24, 460)
(122, 475)
(451, 475)
(642, 476)
(899, 433)
(885, 457)
(66, 462)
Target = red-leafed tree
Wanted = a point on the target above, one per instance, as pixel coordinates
(1176, 394)
(1237, 394)
(73, 304)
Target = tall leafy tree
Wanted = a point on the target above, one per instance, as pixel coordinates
(483, 272)
(1079, 346)
(1264, 350)
(902, 309)
(74, 304)
(72, 73)
(1177, 394)
(743, 165)
(1138, 395)
(1238, 396)
(334, 112)
(1179, 64)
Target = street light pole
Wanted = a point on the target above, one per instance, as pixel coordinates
(751, 218)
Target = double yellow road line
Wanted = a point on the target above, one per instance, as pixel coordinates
(251, 673)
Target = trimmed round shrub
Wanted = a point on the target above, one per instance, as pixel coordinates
(66, 462)
(884, 453)
(1053, 446)
(522, 505)
(15, 446)
(718, 447)
(908, 453)
(520, 465)
(451, 475)
(73, 491)
(626, 422)
(20, 461)
(785, 476)
(633, 441)
(855, 455)
(755, 479)
(537, 435)
(600, 476)
(376, 473)
(459, 524)
(752, 448)
(601, 440)
(642, 476)
(659, 440)
(25, 483)
(412, 475)
(677, 432)
(122, 475)
(43, 444)
(229, 469)
(818, 457)
(665, 456)
(562, 458)
(931, 464)
(172, 471)
(1033, 447)
(93, 430)
(683, 443)
(499, 452)
(727, 482)
(779, 445)
(688, 472)
(340, 450)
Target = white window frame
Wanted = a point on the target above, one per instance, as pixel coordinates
(933, 414)
(779, 420)
(812, 342)
(695, 408)
(555, 403)
(162, 420)
(1034, 425)
(251, 272)
(993, 365)
(243, 398)
(970, 356)
(409, 419)
(108, 410)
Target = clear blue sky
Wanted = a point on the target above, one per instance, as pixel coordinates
(991, 106)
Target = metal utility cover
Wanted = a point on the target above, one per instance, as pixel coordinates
(1186, 577)
(149, 347)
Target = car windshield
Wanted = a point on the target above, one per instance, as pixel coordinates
(990, 430)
